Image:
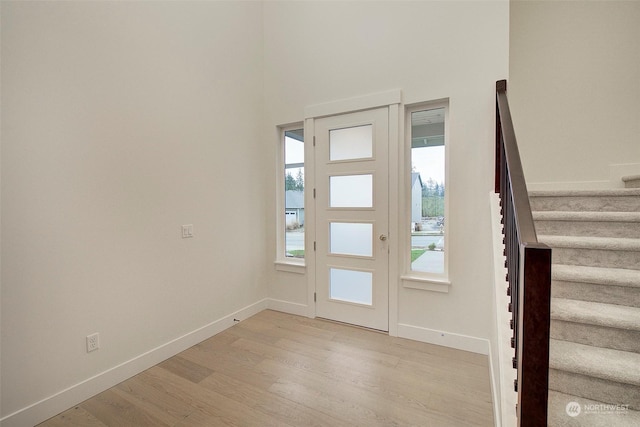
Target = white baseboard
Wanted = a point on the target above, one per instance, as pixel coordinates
(616, 172)
(446, 339)
(288, 307)
(503, 406)
(53, 405)
(497, 412)
(569, 185)
(499, 271)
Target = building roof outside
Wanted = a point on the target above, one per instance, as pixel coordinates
(416, 176)
(294, 199)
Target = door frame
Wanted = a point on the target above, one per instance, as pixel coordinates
(393, 100)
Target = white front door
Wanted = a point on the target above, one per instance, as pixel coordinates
(352, 254)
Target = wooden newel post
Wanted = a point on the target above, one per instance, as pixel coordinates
(535, 301)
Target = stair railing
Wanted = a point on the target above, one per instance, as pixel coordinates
(528, 266)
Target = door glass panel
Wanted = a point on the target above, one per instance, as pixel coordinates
(351, 191)
(351, 143)
(352, 286)
(351, 238)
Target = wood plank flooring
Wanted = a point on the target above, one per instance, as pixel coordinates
(276, 369)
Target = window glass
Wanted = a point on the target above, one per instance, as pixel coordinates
(428, 188)
(294, 193)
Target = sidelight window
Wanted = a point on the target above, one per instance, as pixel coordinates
(428, 190)
(293, 200)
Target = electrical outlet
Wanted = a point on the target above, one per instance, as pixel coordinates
(93, 342)
(187, 231)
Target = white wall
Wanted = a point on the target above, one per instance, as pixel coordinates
(121, 121)
(574, 91)
(319, 52)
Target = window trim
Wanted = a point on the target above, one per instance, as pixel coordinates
(413, 279)
(282, 262)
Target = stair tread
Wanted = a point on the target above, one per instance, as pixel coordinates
(594, 216)
(586, 193)
(589, 242)
(595, 313)
(604, 363)
(597, 275)
(589, 416)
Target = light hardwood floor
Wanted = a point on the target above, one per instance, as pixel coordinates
(276, 369)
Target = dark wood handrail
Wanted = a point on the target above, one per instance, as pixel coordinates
(528, 265)
(524, 218)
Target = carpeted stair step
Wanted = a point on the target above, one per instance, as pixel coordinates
(591, 413)
(605, 285)
(601, 374)
(615, 200)
(594, 251)
(596, 324)
(631, 181)
(594, 355)
(597, 224)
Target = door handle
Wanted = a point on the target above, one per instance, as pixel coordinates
(383, 237)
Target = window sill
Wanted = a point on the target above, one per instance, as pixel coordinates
(425, 284)
(292, 266)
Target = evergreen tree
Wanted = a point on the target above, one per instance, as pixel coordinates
(289, 182)
(300, 181)
(432, 198)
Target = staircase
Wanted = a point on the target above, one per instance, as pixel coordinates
(595, 308)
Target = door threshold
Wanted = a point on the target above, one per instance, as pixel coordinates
(337, 322)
